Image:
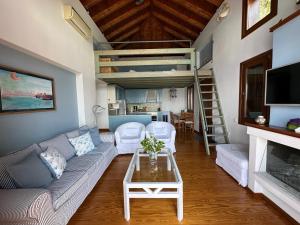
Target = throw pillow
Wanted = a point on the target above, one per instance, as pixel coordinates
(61, 144)
(94, 132)
(30, 172)
(54, 161)
(82, 144)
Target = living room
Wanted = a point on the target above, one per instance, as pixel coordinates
(38, 43)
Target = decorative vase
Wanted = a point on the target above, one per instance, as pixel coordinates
(261, 120)
(153, 161)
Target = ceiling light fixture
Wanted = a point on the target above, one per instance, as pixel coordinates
(223, 11)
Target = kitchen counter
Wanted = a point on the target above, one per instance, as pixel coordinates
(116, 121)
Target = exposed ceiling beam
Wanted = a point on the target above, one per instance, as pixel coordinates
(215, 2)
(175, 34)
(125, 36)
(90, 3)
(179, 15)
(172, 23)
(101, 11)
(194, 8)
(205, 5)
(127, 26)
(131, 12)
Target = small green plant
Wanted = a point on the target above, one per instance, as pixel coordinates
(151, 144)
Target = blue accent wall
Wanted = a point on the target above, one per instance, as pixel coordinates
(286, 50)
(20, 130)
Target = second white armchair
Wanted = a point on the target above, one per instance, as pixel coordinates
(163, 131)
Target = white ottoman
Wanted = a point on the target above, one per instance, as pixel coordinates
(234, 158)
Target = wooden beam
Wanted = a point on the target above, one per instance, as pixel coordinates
(121, 46)
(127, 26)
(125, 36)
(167, 51)
(146, 62)
(103, 10)
(129, 14)
(179, 15)
(194, 8)
(206, 5)
(215, 2)
(90, 3)
(175, 34)
(172, 23)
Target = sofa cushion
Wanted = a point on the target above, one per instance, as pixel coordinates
(104, 148)
(55, 161)
(6, 182)
(94, 132)
(82, 144)
(62, 144)
(84, 162)
(63, 189)
(30, 172)
(73, 133)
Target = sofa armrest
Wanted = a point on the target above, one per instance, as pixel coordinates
(20, 205)
(107, 137)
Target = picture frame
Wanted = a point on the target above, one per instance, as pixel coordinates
(23, 91)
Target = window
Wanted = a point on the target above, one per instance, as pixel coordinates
(256, 13)
(190, 99)
(252, 87)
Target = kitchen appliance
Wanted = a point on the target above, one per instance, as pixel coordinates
(135, 108)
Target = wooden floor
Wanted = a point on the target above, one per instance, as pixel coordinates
(210, 196)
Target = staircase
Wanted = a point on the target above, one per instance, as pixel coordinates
(212, 118)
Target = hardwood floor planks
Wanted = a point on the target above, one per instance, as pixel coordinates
(211, 196)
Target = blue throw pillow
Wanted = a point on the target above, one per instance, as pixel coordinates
(30, 172)
(94, 132)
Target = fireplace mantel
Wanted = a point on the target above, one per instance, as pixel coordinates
(261, 182)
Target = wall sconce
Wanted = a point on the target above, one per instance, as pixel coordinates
(173, 93)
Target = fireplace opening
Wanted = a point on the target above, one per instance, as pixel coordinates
(283, 163)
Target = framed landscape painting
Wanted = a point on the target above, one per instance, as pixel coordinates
(22, 91)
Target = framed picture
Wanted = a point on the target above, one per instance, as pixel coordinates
(22, 91)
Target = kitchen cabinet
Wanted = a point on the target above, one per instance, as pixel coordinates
(115, 93)
(143, 95)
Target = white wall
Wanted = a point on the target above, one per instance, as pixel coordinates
(229, 51)
(101, 92)
(38, 28)
(175, 104)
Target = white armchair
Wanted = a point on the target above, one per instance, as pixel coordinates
(129, 136)
(163, 131)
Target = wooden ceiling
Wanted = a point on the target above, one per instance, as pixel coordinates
(151, 20)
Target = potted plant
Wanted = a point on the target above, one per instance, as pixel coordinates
(152, 146)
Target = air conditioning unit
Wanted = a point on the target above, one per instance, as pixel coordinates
(76, 21)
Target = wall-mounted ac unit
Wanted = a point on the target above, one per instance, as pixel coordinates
(76, 21)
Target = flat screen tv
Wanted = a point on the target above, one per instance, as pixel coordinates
(283, 85)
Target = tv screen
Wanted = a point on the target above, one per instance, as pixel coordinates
(283, 85)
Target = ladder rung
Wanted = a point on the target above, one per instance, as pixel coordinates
(211, 108)
(215, 116)
(205, 77)
(207, 92)
(216, 135)
(210, 100)
(207, 84)
(216, 125)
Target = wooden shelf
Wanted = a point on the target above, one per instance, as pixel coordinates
(286, 20)
(278, 130)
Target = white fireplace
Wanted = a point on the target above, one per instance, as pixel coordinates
(260, 181)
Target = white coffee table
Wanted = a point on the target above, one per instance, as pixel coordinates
(153, 183)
